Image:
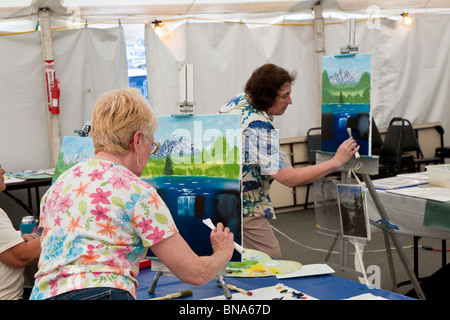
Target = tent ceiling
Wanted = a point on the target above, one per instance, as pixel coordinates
(184, 7)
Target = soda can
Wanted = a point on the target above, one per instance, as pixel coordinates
(28, 220)
(28, 225)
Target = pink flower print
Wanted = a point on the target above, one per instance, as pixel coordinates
(100, 196)
(96, 175)
(58, 221)
(100, 213)
(51, 200)
(105, 165)
(130, 175)
(58, 187)
(119, 181)
(156, 236)
(121, 258)
(54, 283)
(63, 203)
(146, 225)
(91, 247)
(77, 172)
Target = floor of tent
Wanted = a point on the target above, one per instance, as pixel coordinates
(300, 241)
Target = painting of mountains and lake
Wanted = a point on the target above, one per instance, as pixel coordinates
(197, 172)
(346, 86)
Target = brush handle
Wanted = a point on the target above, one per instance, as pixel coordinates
(184, 293)
(233, 287)
(210, 224)
(349, 130)
(225, 288)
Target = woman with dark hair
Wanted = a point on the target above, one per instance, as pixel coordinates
(268, 94)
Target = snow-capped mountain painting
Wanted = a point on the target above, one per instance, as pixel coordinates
(177, 146)
(343, 77)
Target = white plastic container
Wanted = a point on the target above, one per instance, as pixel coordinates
(439, 175)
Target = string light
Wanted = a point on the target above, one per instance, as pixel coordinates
(407, 21)
(159, 27)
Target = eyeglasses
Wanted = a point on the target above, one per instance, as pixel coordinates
(284, 96)
(155, 147)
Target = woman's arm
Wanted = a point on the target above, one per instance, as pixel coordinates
(292, 177)
(190, 268)
(21, 254)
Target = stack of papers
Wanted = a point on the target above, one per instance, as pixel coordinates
(399, 182)
(30, 175)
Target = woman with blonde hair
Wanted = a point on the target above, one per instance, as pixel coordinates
(99, 217)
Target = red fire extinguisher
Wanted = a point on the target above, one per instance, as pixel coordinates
(55, 98)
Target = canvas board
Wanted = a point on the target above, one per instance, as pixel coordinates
(346, 86)
(352, 207)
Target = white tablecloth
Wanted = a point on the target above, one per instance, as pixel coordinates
(406, 212)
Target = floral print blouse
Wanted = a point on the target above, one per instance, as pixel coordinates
(98, 220)
(261, 156)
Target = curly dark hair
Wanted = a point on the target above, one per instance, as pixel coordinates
(263, 85)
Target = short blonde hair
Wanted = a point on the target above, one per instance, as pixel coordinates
(117, 116)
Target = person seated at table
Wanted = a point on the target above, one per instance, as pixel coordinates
(16, 252)
(99, 217)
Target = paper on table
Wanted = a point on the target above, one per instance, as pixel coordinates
(425, 192)
(366, 296)
(397, 182)
(277, 292)
(13, 180)
(308, 270)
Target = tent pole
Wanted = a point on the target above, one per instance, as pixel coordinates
(320, 50)
(47, 55)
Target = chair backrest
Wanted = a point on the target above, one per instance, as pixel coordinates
(377, 141)
(391, 152)
(410, 142)
(314, 142)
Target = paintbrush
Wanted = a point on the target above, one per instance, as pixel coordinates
(352, 123)
(210, 224)
(233, 287)
(185, 293)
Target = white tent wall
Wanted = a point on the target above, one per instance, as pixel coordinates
(410, 67)
(224, 55)
(88, 62)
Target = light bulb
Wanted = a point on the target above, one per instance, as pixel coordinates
(407, 21)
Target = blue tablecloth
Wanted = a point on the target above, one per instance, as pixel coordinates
(324, 287)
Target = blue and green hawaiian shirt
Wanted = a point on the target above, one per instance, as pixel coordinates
(261, 156)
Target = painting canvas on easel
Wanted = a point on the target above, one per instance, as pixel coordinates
(72, 151)
(352, 207)
(197, 172)
(346, 101)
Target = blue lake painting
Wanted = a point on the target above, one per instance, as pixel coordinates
(334, 125)
(191, 199)
(346, 87)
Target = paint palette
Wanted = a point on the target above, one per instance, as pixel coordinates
(259, 264)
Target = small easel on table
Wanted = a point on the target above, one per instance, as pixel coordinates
(368, 165)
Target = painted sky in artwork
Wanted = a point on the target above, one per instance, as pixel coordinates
(202, 129)
(356, 65)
